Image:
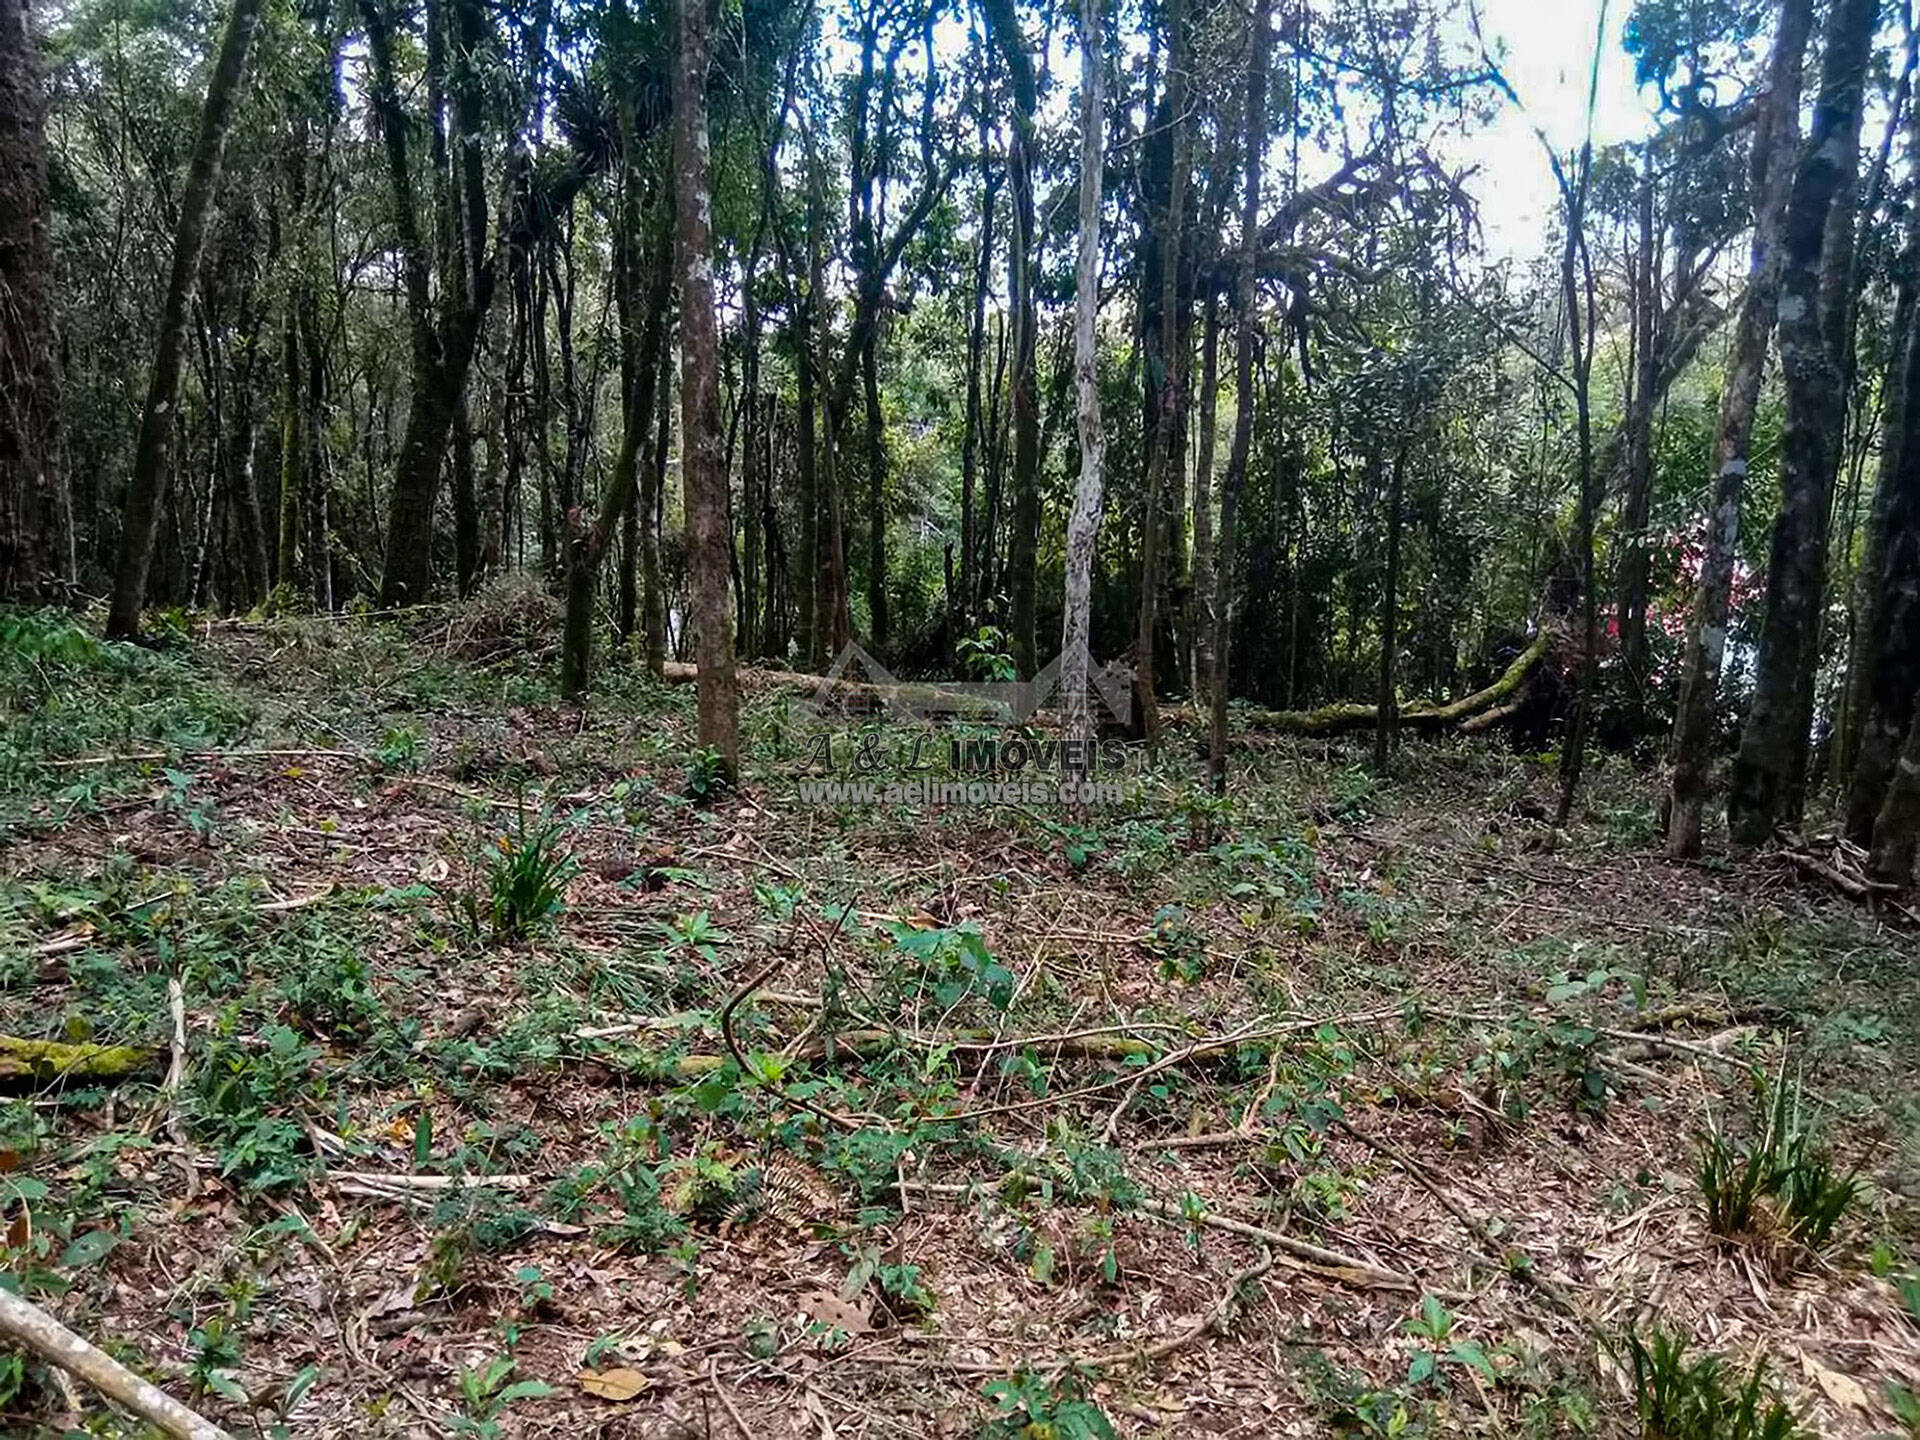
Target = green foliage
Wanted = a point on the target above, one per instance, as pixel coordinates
(243, 1092)
(486, 1395)
(1434, 1327)
(1182, 949)
(987, 655)
(527, 878)
(1695, 1399)
(707, 774)
(400, 748)
(1905, 1406)
(1784, 1163)
(954, 964)
(1035, 1408)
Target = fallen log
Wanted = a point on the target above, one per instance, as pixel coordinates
(27, 1324)
(1481, 710)
(1341, 718)
(55, 1060)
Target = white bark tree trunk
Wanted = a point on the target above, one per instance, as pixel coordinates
(1084, 524)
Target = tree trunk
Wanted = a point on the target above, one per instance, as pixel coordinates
(1259, 41)
(1896, 829)
(1634, 555)
(702, 463)
(293, 456)
(443, 344)
(970, 592)
(876, 497)
(1387, 707)
(1772, 747)
(1166, 377)
(653, 590)
(1691, 747)
(1200, 626)
(36, 558)
(1582, 323)
(1083, 526)
(588, 543)
(1880, 705)
(1023, 538)
(147, 488)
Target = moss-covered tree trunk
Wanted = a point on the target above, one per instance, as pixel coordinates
(1777, 128)
(1885, 677)
(1766, 772)
(588, 541)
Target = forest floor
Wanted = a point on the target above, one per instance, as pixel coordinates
(1357, 1107)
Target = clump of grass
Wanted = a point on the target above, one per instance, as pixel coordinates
(527, 878)
(1783, 1179)
(1683, 1398)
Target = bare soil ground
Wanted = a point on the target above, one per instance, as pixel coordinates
(1355, 1107)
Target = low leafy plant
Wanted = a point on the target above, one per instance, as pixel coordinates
(400, 748)
(707, 776)
(1031, 1405)
(1783, 1176)
(527, 878)
(987, 655)
(1433, 1328)
(486, 1394)
(1682, 1398)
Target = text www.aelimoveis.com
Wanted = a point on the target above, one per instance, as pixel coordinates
(961, 792)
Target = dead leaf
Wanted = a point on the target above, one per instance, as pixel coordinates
(20, 1229)
(1842, 1390)
(823, 1307)
(619, 1383)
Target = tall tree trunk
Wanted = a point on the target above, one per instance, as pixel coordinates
(589, 541)
(1023, 538)
(36, 558)
(811, 625)
(1083, 525)
(1886, 671)
(1772, 746)
(1166, 373)
(1634, 552)
(653, 588)
(1691, 747)
(702, 463)
(443, 344)
(753, 409)
(970, 592)
(293, 462)
(1577, 299)
(833, 627)
(147, 487)
(876, 497)
(1200, 626)
(1387, 705)
(1246, 323)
